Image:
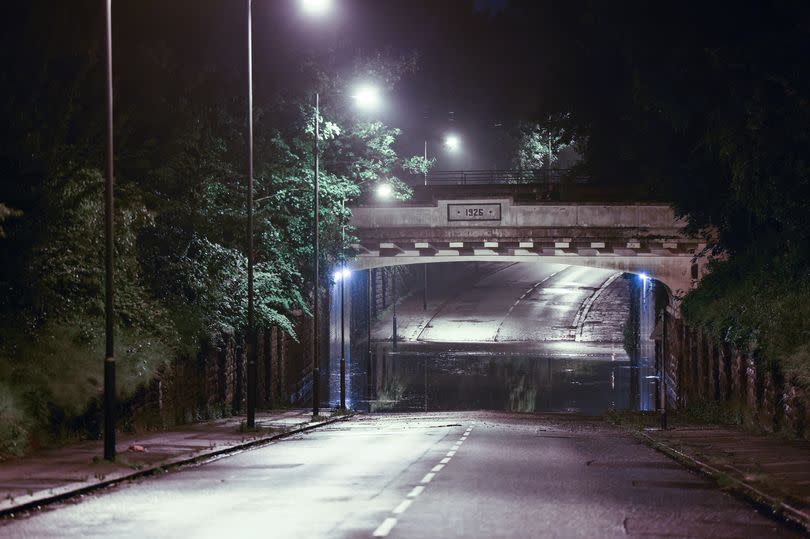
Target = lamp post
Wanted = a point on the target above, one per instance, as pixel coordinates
(252, 372)
(366, 97)
(316, 371)
(109, 356)
(343, 276)
(452, 143)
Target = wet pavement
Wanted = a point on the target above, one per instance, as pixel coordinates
(473, 474)
(78, 466)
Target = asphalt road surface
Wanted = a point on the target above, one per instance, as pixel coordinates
(433, 475)
(522, 302)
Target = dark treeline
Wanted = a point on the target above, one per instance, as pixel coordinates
(180, 139)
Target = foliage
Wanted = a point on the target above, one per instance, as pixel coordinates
(6, 213)
(711, 114)
(180, 216)
(543, 144)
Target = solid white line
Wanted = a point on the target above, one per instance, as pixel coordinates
(437, 468)
(384, 528)
(428, 477)
(402, 507)
(445, 460)
(417, 490)
(451, 453)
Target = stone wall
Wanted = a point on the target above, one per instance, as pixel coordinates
(703, 371)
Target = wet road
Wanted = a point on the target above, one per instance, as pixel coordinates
(522, 302)
(434, 475)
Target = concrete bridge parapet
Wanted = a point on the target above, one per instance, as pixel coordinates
(638, 238)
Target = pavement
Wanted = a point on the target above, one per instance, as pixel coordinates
(468, 474)
(59, 473)
(766, 469)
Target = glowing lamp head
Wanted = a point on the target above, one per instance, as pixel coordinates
(452, 142)
(316, 7)
(342, 274)
(367, 97)
(384, 191)
(644, 277)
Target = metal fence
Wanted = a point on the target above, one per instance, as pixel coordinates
(499, 177)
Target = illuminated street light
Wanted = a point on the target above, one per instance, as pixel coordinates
(384, 191)
(367, 97)
(342, 274)
(452, 142)
(644, 277)
(316, 7)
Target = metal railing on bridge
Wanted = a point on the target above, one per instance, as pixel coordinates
(499, 177)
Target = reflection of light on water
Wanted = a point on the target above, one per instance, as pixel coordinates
(646, 346)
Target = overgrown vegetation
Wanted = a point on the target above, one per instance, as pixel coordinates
(180, 212)
(710, 113)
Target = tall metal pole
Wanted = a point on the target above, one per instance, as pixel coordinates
(425, 162)
(342, 314)
(394, 305)
(369, 364)
(663, 380)
(251, 330)
(109, 356)
(424, 288)
(316, 370)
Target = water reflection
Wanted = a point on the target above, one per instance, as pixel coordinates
(561, 376)
(432, 380)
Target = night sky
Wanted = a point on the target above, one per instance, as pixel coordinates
(477, 64)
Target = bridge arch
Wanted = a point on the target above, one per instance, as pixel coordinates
(673, 273)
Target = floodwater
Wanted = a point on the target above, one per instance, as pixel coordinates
(551, 376)
(428, 378)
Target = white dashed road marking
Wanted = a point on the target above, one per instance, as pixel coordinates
(384, 528)
(388, 524)
(402, 507)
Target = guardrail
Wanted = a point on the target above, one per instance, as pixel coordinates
(499, 177)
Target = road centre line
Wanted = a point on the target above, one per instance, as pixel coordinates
(385, 528)
(388, 524)
(403, 506)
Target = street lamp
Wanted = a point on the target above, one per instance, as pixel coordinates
(109, 356)
(366, 97)
(452, 142)
(385, 191)
(342, 276)
(316, 7)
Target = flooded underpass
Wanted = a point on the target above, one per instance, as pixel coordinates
(573, 340)
(431, 378)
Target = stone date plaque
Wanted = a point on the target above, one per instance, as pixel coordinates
(474, 212)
